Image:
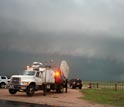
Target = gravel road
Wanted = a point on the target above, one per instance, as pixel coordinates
(70, 99)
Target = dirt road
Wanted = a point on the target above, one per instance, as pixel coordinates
(70, 99)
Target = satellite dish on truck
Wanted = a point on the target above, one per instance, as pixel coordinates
(64, 68)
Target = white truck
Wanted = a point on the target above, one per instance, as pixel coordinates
(41, 78)
(3, 81)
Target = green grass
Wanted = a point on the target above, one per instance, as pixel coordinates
(104, 96)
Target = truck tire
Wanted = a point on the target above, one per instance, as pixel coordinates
(12, 91)
(60, 89)
(2, 85)
(30, 90)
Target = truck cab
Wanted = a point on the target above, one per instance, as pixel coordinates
(27, 81)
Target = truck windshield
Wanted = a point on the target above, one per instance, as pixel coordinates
(29, 73)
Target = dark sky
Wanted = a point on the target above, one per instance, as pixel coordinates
(89, 34)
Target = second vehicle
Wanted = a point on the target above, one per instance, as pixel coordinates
(76, 83)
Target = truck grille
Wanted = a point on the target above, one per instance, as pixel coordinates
(16, 80)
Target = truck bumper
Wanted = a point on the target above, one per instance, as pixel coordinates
(17, 87)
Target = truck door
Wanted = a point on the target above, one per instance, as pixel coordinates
(38, 78)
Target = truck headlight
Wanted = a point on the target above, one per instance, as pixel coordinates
(25, 83)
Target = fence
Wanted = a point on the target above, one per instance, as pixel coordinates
(109, 86)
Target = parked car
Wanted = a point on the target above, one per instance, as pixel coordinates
(3, 81)
(74, 83)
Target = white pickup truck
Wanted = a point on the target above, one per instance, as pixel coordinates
(3, 81)
(45, 79)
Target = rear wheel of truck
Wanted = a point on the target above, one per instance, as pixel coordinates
(12, 91)
(60, 89)
(30, 90)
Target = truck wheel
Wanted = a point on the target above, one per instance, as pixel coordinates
(60, 89)
(12, 91)
(2, 85)
(30, 90)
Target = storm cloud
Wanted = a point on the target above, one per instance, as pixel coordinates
(81, 29)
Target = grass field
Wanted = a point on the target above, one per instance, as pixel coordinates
(104, 96)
